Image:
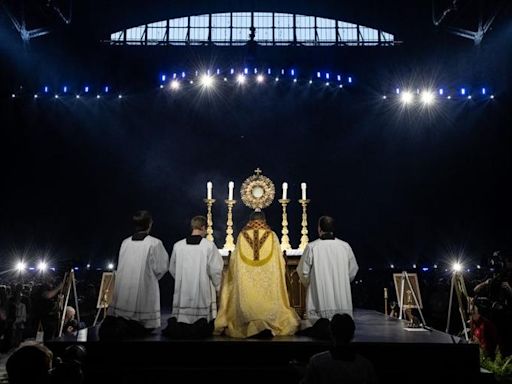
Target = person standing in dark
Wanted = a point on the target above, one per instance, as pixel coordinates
(46, 307)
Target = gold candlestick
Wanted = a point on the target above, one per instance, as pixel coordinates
(209, 220)
(285, 240)
(229, 244)
(304, 240)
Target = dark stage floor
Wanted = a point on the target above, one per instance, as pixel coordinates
(419, 355)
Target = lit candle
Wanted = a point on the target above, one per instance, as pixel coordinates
(285, 189)
(209, 187)
(303, 186)
(231, 185)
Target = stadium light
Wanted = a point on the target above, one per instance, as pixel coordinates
(175, 84)
(207, 81)
(42, 266)
(406, 97)
(427, 97)
(20, 266)
(260, 78)
(240, 79)
(456, 267)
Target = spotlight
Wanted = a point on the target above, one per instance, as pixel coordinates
(175, 84)
(469, 97)
(338, 77)
(77, 96)
(110, 266)
(478, 267)
(392, 266)
(449, 97)
(406, 97)
(456, 267)
(246, 71)
(207, 81)
(327, 76)
(277, 78)
(182, 74)
(163, 78)
(191, 81)
(292, 72)
(56, 96)
(46, 89)
(269, 71)
(161, 86)
(88, 266)
(65, 89)
(98, 96)
(35, 96)
(225, 79)
(260, 78)
(20, 266)
(397, 91)
(384, 97)
(435, 266)
(318, 74)
(240, 79)
(492, 96)
(106, 89)
(427, 97)
(327, 84)
(414, 266)
(86, 89)
(441, 91)
(120, 96)
(294, 80)
(310, 81)
(340, 86)
(350, 79)
(484, 91)
(463, 91)
(42, 266)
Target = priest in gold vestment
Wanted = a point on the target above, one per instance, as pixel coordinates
(254, 298)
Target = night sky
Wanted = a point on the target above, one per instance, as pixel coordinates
(417, 185)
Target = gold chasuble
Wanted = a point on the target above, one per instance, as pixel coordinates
(253, 296)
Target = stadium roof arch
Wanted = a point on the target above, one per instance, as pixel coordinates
(262, 28)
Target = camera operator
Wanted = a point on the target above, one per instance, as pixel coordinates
(497, 292)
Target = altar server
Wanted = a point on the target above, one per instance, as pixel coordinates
(143, 260)
(196, 266)
(326, 268)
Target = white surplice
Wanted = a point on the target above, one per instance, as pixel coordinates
(136, 292)
(326, 268)
(197, 270)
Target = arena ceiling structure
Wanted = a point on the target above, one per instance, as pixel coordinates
(110, 134)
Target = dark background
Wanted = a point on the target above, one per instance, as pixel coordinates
(406, 186)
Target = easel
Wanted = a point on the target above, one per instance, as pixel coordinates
(69, 282)
(460, 289)
(105, 295)
(404, 278)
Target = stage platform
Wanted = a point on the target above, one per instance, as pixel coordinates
(397, 354)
